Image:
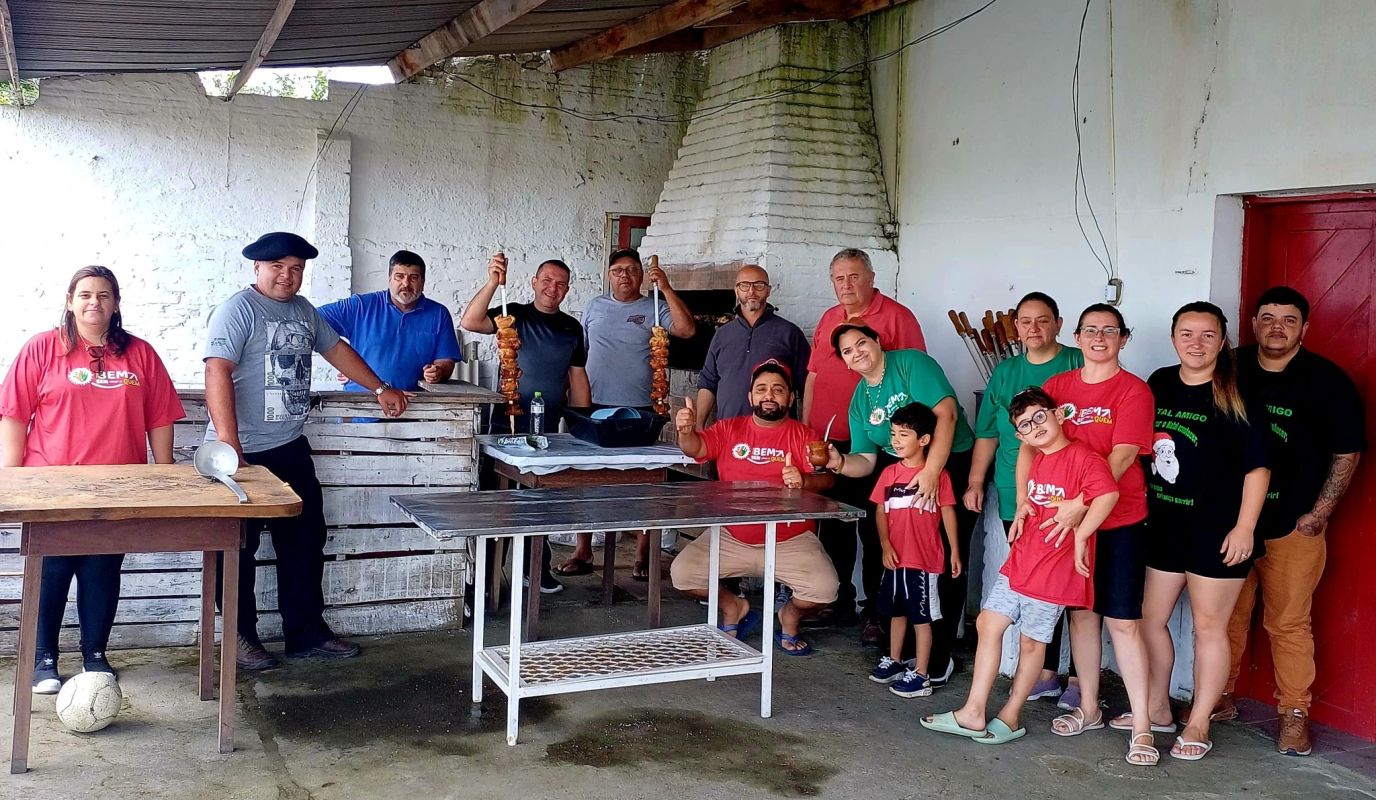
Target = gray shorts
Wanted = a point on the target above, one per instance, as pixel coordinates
(1037, 618)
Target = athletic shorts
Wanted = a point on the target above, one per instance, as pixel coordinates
(910, 593)
(1120, 571)
(1173, 545)
(1037, 618)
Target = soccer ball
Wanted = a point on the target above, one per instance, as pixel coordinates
(89, 701)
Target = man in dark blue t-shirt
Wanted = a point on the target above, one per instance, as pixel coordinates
(552, 357)
(404, 336)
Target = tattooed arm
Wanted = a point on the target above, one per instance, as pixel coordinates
(1339, 476)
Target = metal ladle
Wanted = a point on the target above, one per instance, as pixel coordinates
(218, 461)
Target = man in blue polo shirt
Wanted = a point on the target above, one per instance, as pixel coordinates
(403, 335)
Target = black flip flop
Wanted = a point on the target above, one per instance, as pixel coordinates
(580, 567)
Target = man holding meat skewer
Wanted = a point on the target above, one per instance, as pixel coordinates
(826, 396)
(619, 327)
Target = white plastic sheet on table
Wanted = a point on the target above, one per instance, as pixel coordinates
(567, 452)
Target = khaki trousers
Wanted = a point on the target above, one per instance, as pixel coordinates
(1287, 576)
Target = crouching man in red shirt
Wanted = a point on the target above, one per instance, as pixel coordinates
(771, 447)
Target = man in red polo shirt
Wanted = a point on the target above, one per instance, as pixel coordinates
(766, 446)
(827, 393)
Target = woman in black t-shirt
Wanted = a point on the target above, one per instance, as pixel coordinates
(1207, 484)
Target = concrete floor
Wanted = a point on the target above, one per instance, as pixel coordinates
(397, 723)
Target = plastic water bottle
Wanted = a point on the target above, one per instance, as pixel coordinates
(537, 414)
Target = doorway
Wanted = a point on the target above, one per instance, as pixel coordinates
(1326, 248)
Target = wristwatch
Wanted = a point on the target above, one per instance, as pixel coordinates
(384, 387)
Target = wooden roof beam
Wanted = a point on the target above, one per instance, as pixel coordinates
(663, 21)
(458, 33)
(11, 57)
(263, 47)
(758, 15)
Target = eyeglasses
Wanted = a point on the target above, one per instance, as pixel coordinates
(752, 286)
(1089, 332)
(1038, 417)
(621, 272)
(97, 355)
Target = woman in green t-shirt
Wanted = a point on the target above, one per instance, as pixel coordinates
(889, 381)
(1038, 320)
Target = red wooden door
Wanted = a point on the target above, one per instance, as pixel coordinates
(1324, 248)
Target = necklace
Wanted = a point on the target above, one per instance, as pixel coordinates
(872, 395)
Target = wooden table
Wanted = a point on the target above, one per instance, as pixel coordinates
(572, 463)
(632, 658)
(140, 508)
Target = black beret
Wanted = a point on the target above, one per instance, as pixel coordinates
(272, 246)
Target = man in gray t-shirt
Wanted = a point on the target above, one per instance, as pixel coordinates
(617, 326)
(257, 388)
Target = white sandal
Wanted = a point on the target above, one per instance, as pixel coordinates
(1181, 744)
(1148, 752)
(1075, 723)
(1123, 722)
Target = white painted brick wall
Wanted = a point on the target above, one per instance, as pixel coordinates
(147, 175)
(784, 182)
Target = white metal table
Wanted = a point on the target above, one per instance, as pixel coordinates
(661, 655)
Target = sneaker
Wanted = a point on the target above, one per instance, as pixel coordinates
(330, 648)
(912, 684)
(1070, 698)
(781, 597)
(548, 585)
(938, 681)
(45, 677)
(1293, 739)
(1051, 687)
(94, 661)
(253, 657)
(888, 671)
(871, 634)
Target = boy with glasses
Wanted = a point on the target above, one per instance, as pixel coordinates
(1040, 579)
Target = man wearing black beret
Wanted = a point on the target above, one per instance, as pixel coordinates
(257, 387)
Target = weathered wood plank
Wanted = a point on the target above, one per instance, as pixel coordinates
(364, 580)
(657, 24)
(264, 45)
(458, 33)
(369, 620)
(395, 469)
(432, 429)
(357, 444)
(369, 505)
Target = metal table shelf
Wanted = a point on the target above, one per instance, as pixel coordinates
(623, 659)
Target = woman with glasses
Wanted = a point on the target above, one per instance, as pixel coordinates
(888, 382)
(86, 392)
(1208, 480)
(1110, 410)
(1038, 321)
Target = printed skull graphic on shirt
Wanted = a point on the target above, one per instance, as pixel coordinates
(1164, 461)
(287, 389)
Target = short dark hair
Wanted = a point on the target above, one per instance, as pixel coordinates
(1104, 308)
(1039, 297)
(554, 262)
(772, 367)
(851, 325)
(919, 418)
(406, 258)
(625, 252)
(1027, 398)
(1283, 296)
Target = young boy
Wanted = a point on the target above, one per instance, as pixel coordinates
(910, 535)
(1040, 578)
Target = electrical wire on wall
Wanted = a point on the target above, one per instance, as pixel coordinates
(705, 111)
(1081, 187)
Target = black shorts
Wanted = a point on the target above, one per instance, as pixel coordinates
(909, 593)
(1173, 545)
(1120, 571)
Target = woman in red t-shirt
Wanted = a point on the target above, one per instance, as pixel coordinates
(1111, 410)
(86, 392)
